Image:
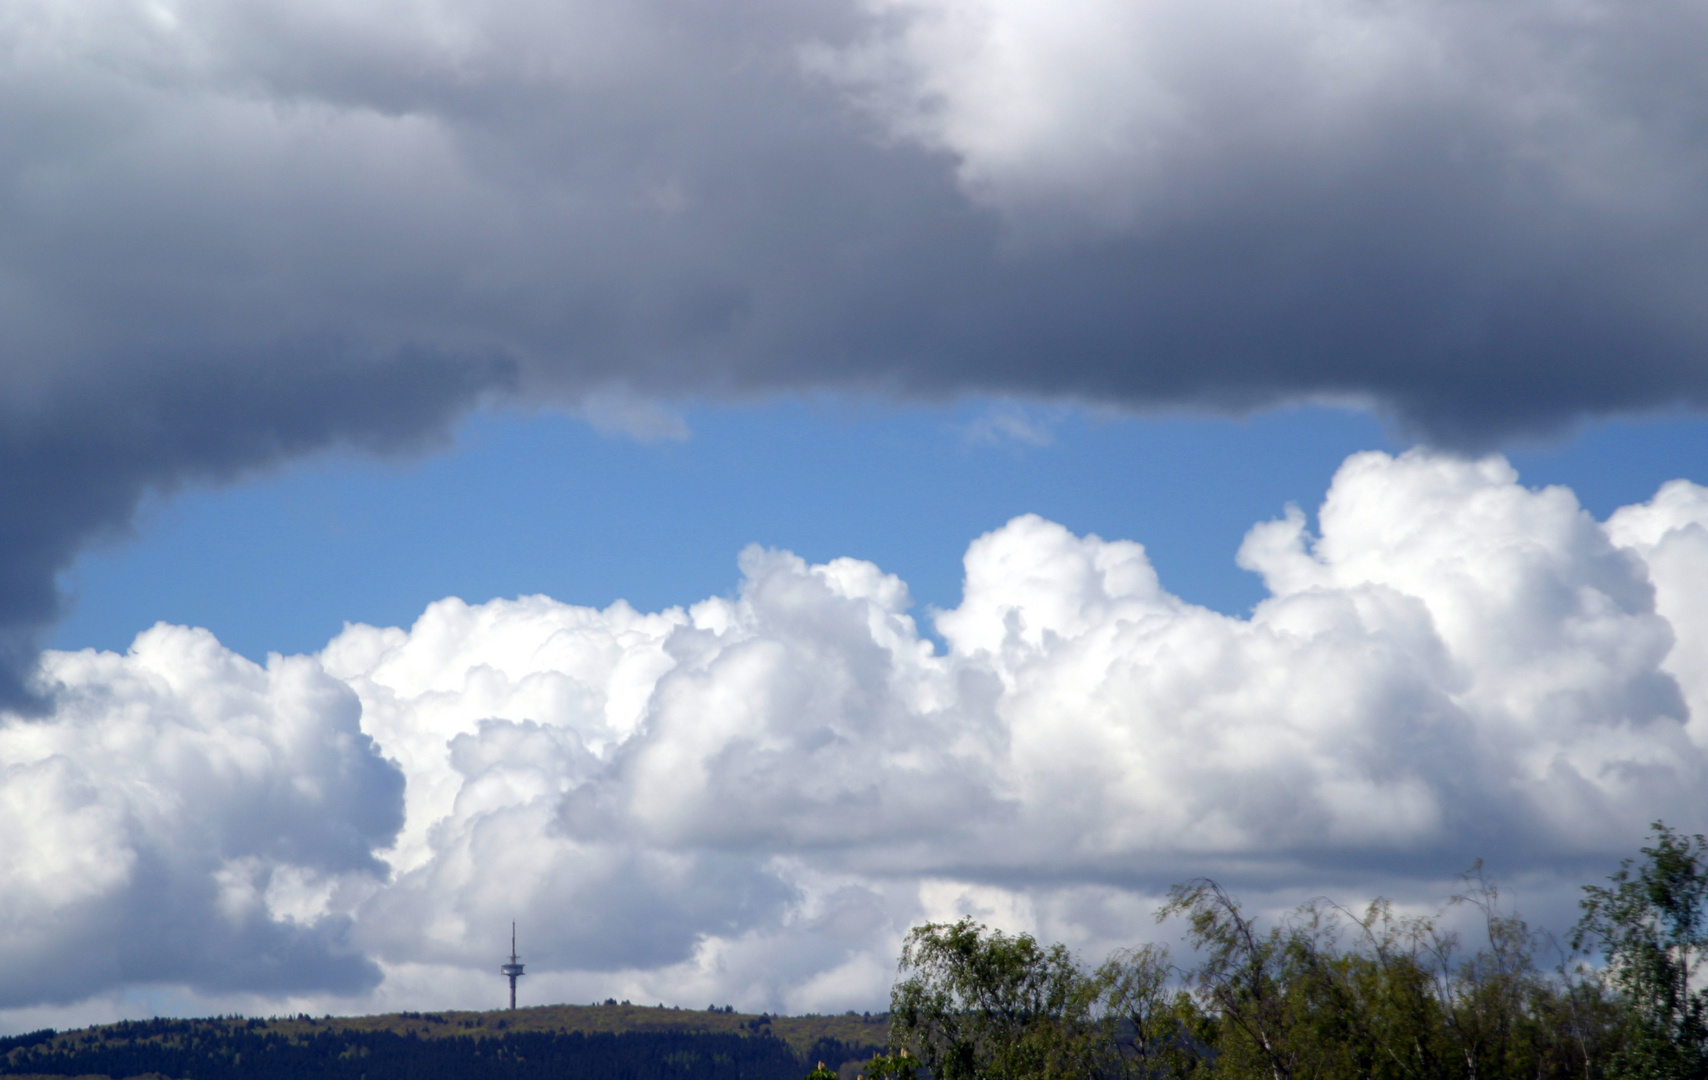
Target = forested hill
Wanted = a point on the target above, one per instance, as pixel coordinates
(562, 1042)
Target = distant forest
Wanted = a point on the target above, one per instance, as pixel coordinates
(460, 1049)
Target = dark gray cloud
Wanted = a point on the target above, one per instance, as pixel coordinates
(234, 232)
(73, 467)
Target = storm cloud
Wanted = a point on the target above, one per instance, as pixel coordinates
(234, 232)
(1480, 217)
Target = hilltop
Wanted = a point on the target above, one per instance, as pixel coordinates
(801, 1033)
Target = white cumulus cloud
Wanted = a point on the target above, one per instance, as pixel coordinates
(187, 816)
(750, 799)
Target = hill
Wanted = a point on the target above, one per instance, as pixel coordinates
(553, 1042)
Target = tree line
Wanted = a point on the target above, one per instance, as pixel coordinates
(199, 1050)
(1327, 993)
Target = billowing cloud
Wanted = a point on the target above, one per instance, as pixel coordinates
(751, 798)
(183, 816)
(241, 231)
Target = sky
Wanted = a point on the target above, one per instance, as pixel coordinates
(720, 484)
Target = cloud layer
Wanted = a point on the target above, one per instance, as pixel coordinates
(241, 231)
(1471, 215)
(751, 798)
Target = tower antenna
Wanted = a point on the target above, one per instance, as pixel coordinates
(512, 970)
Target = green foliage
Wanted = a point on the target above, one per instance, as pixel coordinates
(821, 1072)
(1151, 1029)
(896, 1065)
(981, 1005)
(1325, 994)
(1378, 996)
(978, 1004)
(1651, 924)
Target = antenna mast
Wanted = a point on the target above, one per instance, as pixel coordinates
(512, 970)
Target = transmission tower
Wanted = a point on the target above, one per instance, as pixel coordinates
(512, 970)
